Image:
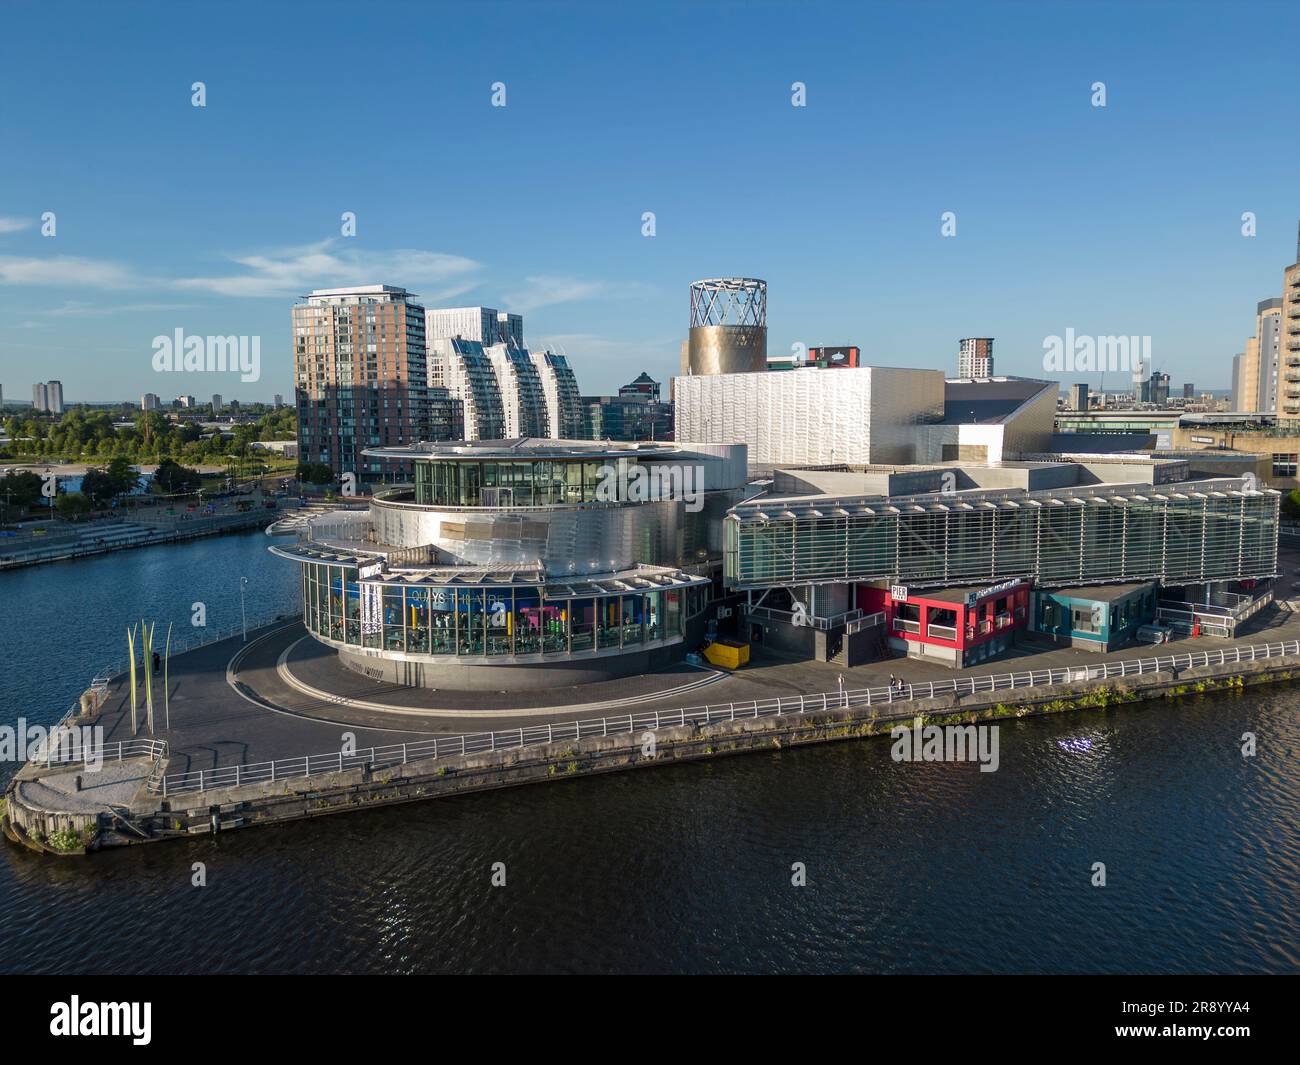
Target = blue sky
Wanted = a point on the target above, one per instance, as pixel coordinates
(1117, 220)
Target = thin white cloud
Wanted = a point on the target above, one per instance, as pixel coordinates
(79, 309)
(296, 271)
(13, 225)
(284, 273)
(547, 290)
(66, 270)
(438, 278)
(592, 350)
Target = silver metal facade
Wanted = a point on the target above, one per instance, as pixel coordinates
(812, 416)
(561, 540)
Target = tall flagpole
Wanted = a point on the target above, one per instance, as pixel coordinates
(130, 646)
(147, 649)
(167, 699)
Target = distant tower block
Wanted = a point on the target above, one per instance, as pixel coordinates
(975, 358)
(728, 326)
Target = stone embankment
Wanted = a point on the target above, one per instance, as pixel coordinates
(45, 819)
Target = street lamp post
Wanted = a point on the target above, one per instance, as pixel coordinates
(243, 583)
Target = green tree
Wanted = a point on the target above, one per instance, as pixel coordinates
(20, 489)
(172, 477)
(125, 478)
(98, 486)
(316, 473)
(1291, 504)
(71, 504)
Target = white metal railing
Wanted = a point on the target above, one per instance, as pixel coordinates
(812, 621)
(1182, 606)
(1215, 619)
(864, 622)
(479, 742)
(64, 746)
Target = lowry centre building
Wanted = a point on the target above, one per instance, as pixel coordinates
(539, 563)
(824, 509)
(515, 564)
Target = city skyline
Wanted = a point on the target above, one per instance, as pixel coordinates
(1107, 220)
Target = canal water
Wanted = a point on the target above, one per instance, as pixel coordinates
(910, 867)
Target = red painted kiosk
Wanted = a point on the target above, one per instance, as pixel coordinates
(955, 626)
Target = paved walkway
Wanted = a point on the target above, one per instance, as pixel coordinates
(255, 715)
(260, 718)
(115, 784)
(305, 667)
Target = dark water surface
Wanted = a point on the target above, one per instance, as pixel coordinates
(911, 867)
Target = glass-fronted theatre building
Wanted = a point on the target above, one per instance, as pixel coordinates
(520, 563)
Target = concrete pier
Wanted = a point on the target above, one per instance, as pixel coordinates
(238, 707)
(40, 803)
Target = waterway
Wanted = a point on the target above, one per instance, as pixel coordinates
(910, 867)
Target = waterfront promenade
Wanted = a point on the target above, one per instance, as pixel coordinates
(279, 696)
(137, 527)
(232, 704)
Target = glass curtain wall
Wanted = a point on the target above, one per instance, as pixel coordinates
(489, 621)
(534, 483)
(1211, 537)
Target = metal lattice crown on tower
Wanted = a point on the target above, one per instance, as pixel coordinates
(729, 301)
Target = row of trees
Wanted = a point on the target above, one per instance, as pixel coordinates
(151, 437)
(22, 490)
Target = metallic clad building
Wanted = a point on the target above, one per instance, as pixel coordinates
(520, 563)
(812, 416)
(728, 326)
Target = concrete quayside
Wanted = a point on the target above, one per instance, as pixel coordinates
(141, 529)
(232, 702)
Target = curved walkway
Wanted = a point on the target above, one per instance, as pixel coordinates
(406, 701)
